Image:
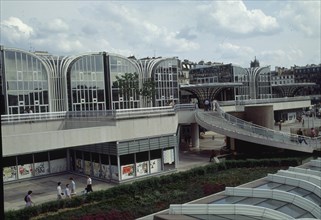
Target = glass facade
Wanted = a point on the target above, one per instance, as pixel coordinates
(26, 83)
(86, 84)
(165, 77)
(124, 79)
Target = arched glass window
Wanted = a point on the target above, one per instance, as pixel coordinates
(26, 83)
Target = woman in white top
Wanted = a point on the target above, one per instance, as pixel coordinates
(59, 191)
(73, 186)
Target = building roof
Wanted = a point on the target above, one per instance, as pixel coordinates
(289, 194)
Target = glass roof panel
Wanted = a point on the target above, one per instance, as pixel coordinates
(292, 210)
(272, 204)
(251, 201)
(307, 215)
(285, 187)
(269, 185)
(299, 191)
(228, 200)
(314, 198)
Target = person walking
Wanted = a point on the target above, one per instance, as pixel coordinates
(89, 184)
(73, 186)
(28, 199)
(59, 191)
(67, 192)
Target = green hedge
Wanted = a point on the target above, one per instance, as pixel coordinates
(159, 191)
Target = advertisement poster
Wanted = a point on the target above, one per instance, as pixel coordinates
(79, 165)
(104, 171)
(127, 171)
(114, 172)
(88, 167)
(24, 171)
(9, 173)
(96, 169)
(59, 165)
(142, 168)
(41, 168)
(168, 156)
(155, 165)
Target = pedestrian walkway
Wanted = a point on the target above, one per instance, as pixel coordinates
(45, 189)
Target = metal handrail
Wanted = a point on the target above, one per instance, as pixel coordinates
(240, 126)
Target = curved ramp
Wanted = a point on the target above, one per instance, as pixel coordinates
(233, 127)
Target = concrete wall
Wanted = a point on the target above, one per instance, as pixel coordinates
(125, 129)
(260, 115)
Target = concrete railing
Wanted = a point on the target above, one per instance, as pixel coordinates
(310, 178)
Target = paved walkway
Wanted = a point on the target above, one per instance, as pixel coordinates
(44, 189)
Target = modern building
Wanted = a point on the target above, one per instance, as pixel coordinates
(88, 113)
(97, 83)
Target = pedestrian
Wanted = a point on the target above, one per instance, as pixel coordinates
(313, 134)
(59, 191)
(301, 137)
(302, 122)
(89, 184)
(73, 186)
(28, 199)
(67, 191)
(280, 125)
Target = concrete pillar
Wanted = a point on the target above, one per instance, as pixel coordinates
(195, 135)
(260, 115)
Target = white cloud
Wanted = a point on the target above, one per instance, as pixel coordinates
(222, 31)
(57, 25)
(234, 17)
(303, 16)
(14, 30)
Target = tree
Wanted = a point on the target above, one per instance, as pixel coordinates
(128, 85)
(148, 90)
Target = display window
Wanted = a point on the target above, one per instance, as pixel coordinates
(10, 169)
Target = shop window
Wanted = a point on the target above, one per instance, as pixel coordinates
(58, 161)
(25, 166)
(87, 163)
(9, 169)
(155, 162)
(127, 168)
(142, 164)
(79, 162)
(114, 173)
(41, 163)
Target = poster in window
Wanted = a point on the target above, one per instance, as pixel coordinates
(96, 169)
(114, 172)
(142, 168)
(24, 171)
(87, 167)
(9, 173)
(168, 156)
(79, 166)
(59, 165)
(104, 172)
(155, 165)
(127, 171)
(41, 168)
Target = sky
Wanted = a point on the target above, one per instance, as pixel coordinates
(278, 33)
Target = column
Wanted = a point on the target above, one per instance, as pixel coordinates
(195, 135)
